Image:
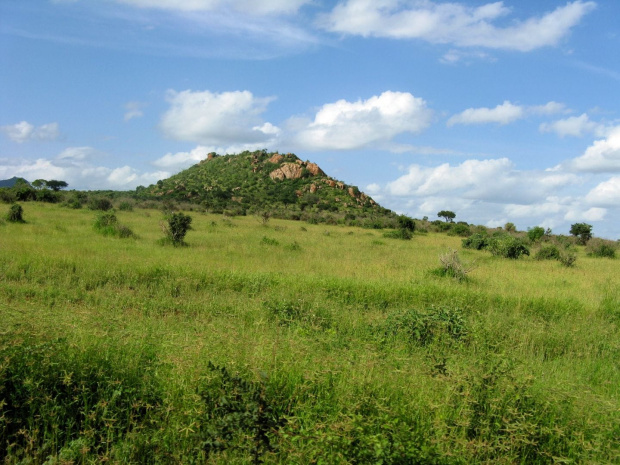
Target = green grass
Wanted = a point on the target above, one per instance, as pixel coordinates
(297, 343)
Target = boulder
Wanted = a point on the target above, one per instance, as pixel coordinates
(276, 159)
(287, 171)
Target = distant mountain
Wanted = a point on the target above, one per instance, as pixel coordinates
(11, 182)
(262, 181)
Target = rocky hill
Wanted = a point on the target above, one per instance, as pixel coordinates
(262, 181)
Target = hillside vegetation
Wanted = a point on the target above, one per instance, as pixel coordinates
(251, 182)
(286, 342)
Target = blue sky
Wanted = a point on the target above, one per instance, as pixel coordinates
(499, 111)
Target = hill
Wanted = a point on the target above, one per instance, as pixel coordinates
(12, 182)
(260, 181)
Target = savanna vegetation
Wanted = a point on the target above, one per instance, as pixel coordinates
(264, 340)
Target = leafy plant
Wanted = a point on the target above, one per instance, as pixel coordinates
(100, 203)
(601, 248)
(535, 234)
(424, 328)
(15, 214)
(582, 231)
(402, 233)
(178, 225)
(107, 224)
(548, 252)
(476, 241)
(507, 246)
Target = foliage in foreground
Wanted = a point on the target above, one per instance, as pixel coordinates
(238, 351)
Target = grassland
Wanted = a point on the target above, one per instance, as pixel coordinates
(294, 343)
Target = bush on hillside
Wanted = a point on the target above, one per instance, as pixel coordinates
(476, 241)
(548, 252)
(535, 234)
(507, 246)
(107, 224)
(402, 233)
(100, 203)
(601, 248)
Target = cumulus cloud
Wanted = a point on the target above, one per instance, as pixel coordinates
(495, 180)
(501, 114)
(454, 23)
(575, 126)
(24, 131)
(345, 125)
(602, 156)
(216, 119)
(606, 194)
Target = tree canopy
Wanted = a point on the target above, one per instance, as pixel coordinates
(447, 215)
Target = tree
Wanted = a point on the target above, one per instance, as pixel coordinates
(582, 231)
(510, 227)
(56, 185)
(39, 183)
(447, 215)
(535, 234)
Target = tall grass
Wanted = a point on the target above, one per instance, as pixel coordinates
(341, 349)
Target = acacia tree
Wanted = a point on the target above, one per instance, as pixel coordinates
(582, 231)
(447, 215)
(56, 185)
(39, 183)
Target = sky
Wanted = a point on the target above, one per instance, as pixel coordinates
(499, 111)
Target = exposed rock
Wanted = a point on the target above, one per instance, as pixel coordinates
(276, 159)
(211, 156)
(351, 192)
(330, 182)
(287, 171)
(340, 185)
(314, 169)
(313, 188)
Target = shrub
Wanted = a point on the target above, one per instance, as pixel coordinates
(601, 248)
(125, 206)
(100, 203)
(535, 234)
(107, 224)
(568, 259)
(452, 266)
(178, 225)
(459, 229)
(548, 252)
(476, 241)
(404, 234)
(507, 246)
(15, 214)
(406, 223)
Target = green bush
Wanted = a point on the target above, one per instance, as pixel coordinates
(548, 252)
(535, 234)
(601, 249)
(125, 206)
(402, 233)
(476, 241)
(507, 246)
(15, 214)
(107, 224)
(459, 229)
(100, 203)
(451, 266)
(178, 225)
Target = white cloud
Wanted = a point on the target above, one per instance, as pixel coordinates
(454, 23)
(494, 180)
(549, 108)
(602, 156)
(133, 110)
(580, 214)
(345, 125)
(501, 114)
(24, 131)
(576, 126)
(216, 119)
(606, 194)
(258, 7)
